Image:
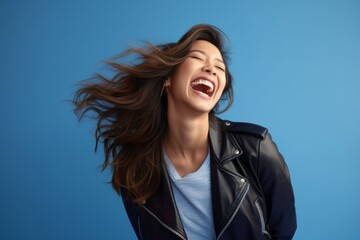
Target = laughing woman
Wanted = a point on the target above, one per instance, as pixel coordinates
(182, 172)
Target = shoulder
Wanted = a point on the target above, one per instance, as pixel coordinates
(244, 128)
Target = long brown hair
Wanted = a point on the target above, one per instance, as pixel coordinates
(131, 108)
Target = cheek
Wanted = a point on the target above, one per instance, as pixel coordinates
(223, 83)
(179, 73)
(182, 72)
(188, 68)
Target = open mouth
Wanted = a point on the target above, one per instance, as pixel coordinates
(204, 86)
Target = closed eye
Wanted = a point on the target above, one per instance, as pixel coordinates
(201, 59)
(221, 68)
(196, 57)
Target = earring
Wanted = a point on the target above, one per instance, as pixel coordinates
(165, 85)
(167, 82)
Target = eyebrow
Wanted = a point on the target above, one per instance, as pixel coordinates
(204, 53)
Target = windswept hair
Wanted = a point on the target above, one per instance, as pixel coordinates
(131, 110)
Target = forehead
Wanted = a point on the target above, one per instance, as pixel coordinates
(206, 47)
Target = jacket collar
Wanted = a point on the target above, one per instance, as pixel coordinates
(223, 144)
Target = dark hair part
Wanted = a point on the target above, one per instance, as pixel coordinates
(131, 110)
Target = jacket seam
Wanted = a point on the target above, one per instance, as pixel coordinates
(139, 229)
(262, 219)
(258, 156)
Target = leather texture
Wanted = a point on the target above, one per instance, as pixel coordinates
(252, 195)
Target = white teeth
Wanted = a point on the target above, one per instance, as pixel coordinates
(204, 82)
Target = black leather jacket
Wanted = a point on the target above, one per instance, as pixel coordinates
(252, 196)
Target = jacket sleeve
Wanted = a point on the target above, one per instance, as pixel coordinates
(275, 180)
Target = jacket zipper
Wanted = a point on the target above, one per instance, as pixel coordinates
(263, 229)
(234, 213)
(164, 224)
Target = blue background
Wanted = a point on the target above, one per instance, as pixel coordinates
(297, 70)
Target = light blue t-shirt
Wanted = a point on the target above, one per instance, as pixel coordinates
(193, 198)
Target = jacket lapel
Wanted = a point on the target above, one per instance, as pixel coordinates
(228, 187)
(162, 206)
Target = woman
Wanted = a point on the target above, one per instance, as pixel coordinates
(182, 172)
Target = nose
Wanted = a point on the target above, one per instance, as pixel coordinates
(209, 69)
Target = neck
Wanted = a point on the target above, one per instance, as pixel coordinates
(186, 142)
(188, 133)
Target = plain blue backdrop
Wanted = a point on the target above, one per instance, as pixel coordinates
(297, 71)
